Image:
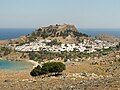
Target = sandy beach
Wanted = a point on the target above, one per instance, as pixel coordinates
(33, 62)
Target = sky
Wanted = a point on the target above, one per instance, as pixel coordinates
(37, 13)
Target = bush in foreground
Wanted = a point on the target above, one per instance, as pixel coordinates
(50, 67)
(54, 67)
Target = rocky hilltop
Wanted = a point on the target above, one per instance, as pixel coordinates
(64, 33)
(60, 27)
(57, 31)
(107, 37)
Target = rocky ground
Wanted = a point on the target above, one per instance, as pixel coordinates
(77, 76)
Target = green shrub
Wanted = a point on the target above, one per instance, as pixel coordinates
(6, 50)
(54, 67)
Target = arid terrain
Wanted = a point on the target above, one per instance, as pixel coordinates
(77, 76)
(99, 70)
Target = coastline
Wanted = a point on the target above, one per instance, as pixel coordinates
(35, 63)
(16, 75)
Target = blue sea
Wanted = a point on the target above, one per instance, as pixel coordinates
(14, 65)
(95, 31)
(11, 33)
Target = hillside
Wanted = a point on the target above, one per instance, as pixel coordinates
(65, 31)
(107, 37)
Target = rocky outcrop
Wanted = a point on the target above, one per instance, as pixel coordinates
(57, 31)
(60, 27)
(65, 33)
(107, 37)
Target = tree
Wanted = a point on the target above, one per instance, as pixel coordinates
(6, 50)
(50, 67)
(54, 42)
(118, 46)
(54, 67)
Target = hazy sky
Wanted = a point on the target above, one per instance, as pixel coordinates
(82, 13)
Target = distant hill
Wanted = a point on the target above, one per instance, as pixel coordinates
(65, 31)
(107, 37)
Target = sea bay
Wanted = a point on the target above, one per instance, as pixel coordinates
(14, 65)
